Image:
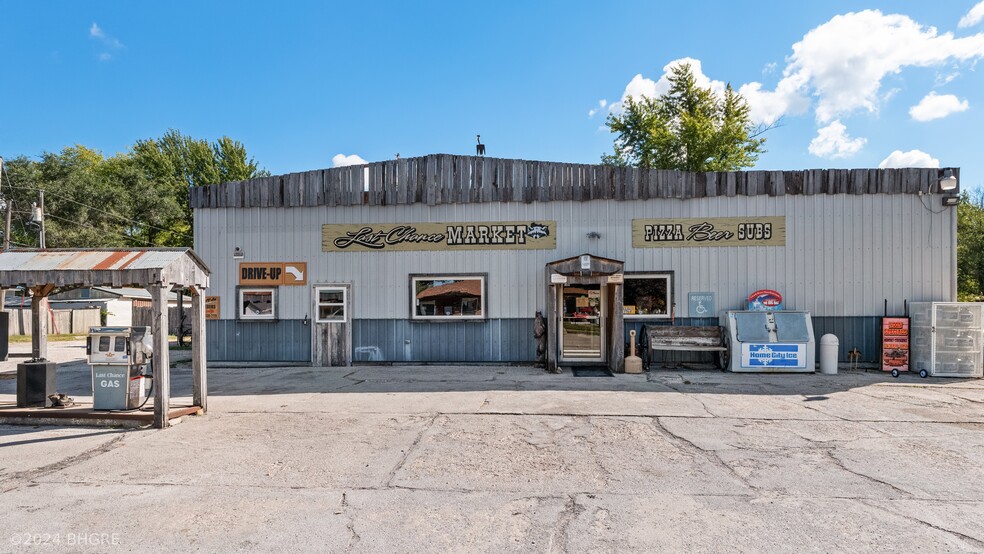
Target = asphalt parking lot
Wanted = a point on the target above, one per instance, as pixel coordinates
(484, 458)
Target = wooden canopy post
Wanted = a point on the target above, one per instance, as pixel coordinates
(162, 367)
(39, 321)
(199, 378)
(616, 360)
(553, 325)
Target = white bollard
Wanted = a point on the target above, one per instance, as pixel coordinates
(829, 345)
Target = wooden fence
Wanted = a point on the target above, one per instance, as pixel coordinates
(448, 179)
(143, 315)
(60, 322)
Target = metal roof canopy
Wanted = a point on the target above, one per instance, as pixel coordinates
(65, 268)
(156, 269)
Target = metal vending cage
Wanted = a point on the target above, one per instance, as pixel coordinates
(947, 338)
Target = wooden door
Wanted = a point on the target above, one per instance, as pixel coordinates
(332, 323)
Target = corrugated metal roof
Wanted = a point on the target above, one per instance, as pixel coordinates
(96, 259)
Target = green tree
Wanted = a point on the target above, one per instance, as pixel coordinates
(136, 198)
(172, 164)
(84, 203)
(970, 247)
(690, 128)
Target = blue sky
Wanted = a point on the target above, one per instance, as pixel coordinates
(301, 83)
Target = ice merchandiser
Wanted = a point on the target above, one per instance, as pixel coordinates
(770, 342)
(947, 338)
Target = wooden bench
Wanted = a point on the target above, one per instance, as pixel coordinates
(684, 338)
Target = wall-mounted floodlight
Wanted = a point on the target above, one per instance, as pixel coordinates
(238, 254)
(949, 180)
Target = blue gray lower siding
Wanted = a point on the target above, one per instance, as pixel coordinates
(231, 340)
(492, 341)
(398, 340)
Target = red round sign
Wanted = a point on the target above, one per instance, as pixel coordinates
(766, 297)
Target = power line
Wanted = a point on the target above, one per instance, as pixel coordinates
(120, 217)
(147, 243)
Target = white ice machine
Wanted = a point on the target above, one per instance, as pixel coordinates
(770, 342)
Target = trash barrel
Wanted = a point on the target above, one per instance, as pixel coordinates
(829, 346)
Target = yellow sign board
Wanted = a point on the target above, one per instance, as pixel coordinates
(211, 307)
(403, 237)
(709, 231)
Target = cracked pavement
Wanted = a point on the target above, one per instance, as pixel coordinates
(488, 458)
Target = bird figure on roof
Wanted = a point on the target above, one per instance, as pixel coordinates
(479, 148)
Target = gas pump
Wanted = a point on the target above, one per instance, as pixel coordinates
(120, 359)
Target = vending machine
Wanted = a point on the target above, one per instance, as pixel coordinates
(120, 359)
(770, 342)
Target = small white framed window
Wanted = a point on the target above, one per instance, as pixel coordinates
(259, 304)
(331, 304)
(447, 297)
(647, 295)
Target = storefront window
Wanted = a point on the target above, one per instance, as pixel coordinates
(331, 304)
(447, 297)
(258, 304)
(647, 295)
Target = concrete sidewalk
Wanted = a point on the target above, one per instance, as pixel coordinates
(458, 458)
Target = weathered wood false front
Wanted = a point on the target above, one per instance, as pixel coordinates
(448, 179)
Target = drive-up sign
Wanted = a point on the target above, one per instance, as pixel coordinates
(273, 273)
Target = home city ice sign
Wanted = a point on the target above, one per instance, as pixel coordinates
(388, 237)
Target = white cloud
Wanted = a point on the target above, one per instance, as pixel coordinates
(766, 106)
(844, 60)
(912, 158)
(973, 17)
(937, 106)
(945, 79)
(594, 111)
(833, 142)
(642, 87)
(341, 160)
(838, 68)
(110, 43)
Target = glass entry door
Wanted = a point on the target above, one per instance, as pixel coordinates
(582, 336)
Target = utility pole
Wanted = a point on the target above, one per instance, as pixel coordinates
(4, 316)
(42, 221)
(10, 206)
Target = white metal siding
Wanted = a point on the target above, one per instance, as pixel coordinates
(844, 254)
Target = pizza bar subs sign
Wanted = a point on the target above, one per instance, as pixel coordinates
(496, 235)
(709, 231)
